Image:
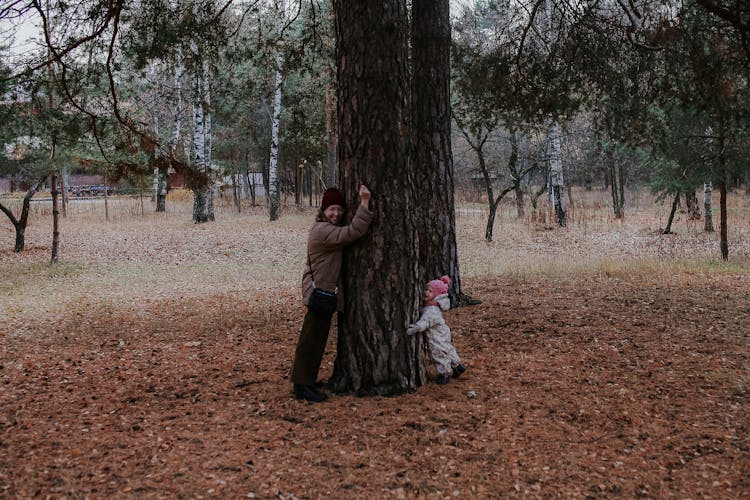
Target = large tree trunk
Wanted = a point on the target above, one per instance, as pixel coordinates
(708, 210)
(432, 155)
(380, 276)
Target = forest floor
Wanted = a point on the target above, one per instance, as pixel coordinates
(152, 362)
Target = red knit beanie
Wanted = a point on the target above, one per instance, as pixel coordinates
(332, 196)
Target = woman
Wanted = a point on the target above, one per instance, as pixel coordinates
(324, 251)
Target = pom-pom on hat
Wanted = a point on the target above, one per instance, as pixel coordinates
(332, 196)
(439, 286)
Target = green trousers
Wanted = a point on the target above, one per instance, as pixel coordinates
(310, 348)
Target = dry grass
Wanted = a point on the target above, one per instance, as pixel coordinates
(136, 256)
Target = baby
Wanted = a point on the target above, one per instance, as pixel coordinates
(442, 352)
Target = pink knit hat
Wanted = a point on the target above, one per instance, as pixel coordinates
(439, 286)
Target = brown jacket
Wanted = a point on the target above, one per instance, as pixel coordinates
(324, 246)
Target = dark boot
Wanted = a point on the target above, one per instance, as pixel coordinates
(308, 393)
(442, 379)
(458, 370)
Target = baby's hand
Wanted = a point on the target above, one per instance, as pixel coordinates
(412, 330)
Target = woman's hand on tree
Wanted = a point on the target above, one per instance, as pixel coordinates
(364, 195)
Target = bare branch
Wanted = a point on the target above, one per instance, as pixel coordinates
(57, 55)
(14, 10)
(525, 33)
(635, 23)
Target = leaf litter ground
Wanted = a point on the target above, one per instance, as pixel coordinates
(159, 368)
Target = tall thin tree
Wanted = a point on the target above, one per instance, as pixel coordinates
(273, 181)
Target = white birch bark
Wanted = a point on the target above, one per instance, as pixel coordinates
(200, 212)
(179, 70)
(273, 182)
(556, 184)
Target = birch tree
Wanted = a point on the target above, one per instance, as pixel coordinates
(202, 205)
(273, 180)
(555, 182)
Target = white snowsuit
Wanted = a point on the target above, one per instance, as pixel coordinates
(442, 352)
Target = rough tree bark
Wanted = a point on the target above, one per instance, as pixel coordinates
(21, 222)
(432, 154)
(380, 277)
